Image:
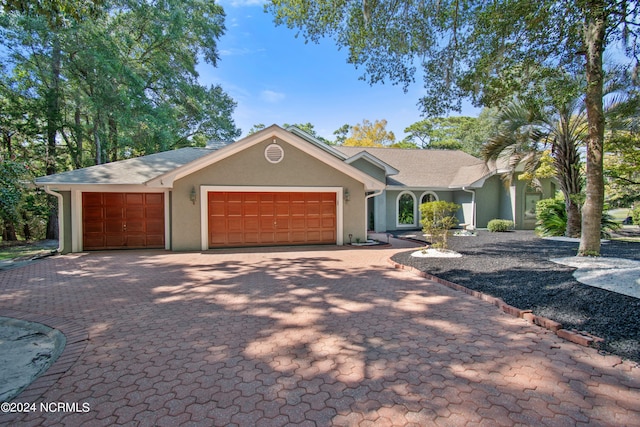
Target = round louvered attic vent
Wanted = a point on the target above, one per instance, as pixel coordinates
(274, 153)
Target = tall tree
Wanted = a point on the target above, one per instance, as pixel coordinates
(369, 134)
(455, 133)
(110, 80)
(488, 51)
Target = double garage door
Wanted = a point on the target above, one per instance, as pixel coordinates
(271, 218)
(136, 220)
(122, 220)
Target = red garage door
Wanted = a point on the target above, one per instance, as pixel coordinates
(122, 220)
(262, 219)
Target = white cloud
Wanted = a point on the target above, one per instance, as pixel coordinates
(234, 51)
(271, 96)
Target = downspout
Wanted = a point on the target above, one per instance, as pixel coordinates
(60, 217)
(366, 207)
(473, 206)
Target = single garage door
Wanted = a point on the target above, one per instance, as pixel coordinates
(271, 218)
(122, 220)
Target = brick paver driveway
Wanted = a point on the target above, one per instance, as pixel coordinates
(315, 336)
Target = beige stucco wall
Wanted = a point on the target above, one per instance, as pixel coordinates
(65, 235)
(250, 168)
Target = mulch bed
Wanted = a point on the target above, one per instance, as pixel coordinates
(515, 266)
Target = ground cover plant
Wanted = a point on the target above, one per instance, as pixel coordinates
(516, 267)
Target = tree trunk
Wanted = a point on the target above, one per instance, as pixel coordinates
(78, 134)
(96, 141)
(573, 218)
(6, 139)
(9, 232)
(53, 120)
(113, 138)
(594, 33)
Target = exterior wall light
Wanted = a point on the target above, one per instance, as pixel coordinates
(347, 196)
(192, 195)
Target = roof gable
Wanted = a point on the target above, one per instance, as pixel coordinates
(274, 133)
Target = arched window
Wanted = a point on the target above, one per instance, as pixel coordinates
(406, 209)
(427, 196)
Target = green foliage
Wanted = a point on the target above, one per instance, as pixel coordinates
(622, 168)
(609, 224)
(438, 218)
(405, 209)
(369, 134)
(453, 133)
(22, 210)
(636, 215)
(500, 225)
(12, 181)
(551, 217)
(118, 85)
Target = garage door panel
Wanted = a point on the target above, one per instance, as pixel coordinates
(113, 199)
(328, 235)
(135, 212)
(135, 227)
(122, 220)
(94, 241)
(235, 224)
(234, 209)
(267, 223)
(251, 209)
(154, 199)
(155, 227)
(154, 212)
(134, 199)
(113, 212)
(328, 222)
(271, 218)
(113, 226)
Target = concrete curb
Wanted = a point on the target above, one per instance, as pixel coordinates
(76, 342)
(578, 337)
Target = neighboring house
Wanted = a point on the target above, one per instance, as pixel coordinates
(274, 187)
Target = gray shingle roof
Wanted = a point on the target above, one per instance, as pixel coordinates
(427, 168)
(131, 171)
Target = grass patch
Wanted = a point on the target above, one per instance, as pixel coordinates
(21, 250)
(619, 214)
(627, 239)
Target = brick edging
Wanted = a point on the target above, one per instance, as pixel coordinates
(76, 341)
(577, 337)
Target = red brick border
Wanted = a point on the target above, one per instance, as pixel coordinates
(76, 341)
(577, 337)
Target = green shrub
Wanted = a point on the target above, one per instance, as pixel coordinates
(551, 215)
(551, 221)
(437, 218)
(496, 225)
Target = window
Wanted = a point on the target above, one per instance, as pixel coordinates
(406, 209)
(428, 196)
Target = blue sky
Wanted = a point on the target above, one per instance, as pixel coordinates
(276, 78)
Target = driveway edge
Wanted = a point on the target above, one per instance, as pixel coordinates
(577, 337)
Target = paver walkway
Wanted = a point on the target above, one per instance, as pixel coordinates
(316, 336)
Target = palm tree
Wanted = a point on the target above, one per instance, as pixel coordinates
(527, 130)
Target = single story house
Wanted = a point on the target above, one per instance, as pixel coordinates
(274, 187)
